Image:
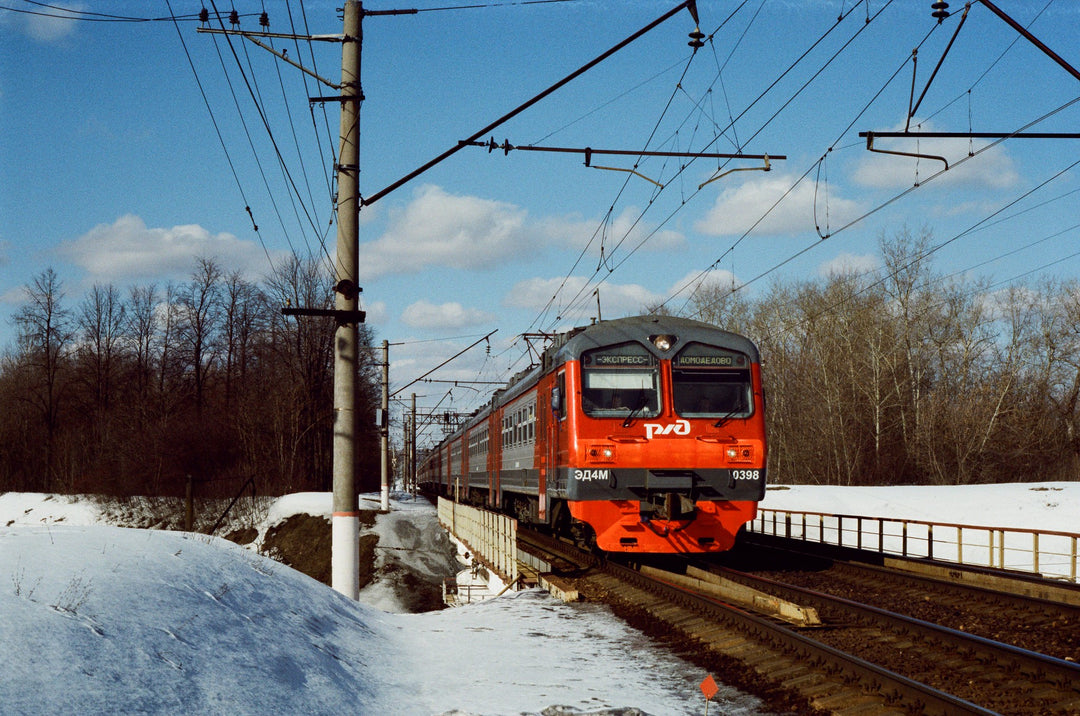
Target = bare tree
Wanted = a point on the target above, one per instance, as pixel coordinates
(200, 318)
(141, 330)
(45, 330)
(101, 323)
(244, 310)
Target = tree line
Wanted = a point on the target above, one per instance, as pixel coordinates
(907, 376)
(133, 392)
(896, 376)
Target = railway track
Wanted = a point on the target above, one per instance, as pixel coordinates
(863, 659)
(1050, 627)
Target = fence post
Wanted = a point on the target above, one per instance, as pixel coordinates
(1072, 568)
(1035, 550)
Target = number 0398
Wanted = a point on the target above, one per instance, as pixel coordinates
(746, 474)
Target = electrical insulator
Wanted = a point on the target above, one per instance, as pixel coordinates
(204, 16)
(940, 10)
(234, 18)
(264, 20)
(696, 38)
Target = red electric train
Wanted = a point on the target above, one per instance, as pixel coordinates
(642, 434)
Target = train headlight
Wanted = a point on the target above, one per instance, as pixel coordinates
(664, 342)
(600, 453)
(739, 453)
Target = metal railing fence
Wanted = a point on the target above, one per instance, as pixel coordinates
(1040, 552)
(492, 537)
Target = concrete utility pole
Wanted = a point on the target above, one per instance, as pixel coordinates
(412, 446)
(345, 548)
(384, 428)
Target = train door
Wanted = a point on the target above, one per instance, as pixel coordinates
(554, 441)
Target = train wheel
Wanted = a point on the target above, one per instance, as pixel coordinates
(560, 520)
(584, 535)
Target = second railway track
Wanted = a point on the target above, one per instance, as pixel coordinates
(863, 659)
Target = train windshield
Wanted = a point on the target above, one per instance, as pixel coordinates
(620, 382)
(709, 382)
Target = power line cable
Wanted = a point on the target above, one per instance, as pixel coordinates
(934, 249)
(217, 130)
(266, 125)
(67, 13)
(789, 69)
(884, 204)
(311, 106)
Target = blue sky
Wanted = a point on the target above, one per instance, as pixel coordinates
(111, 169)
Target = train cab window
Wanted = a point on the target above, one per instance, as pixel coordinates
(620, 382)
(558, 397)
(710, 382)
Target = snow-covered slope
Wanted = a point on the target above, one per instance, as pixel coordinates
(99, 619)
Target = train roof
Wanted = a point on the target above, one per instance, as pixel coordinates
(638, 329)
(571, 344)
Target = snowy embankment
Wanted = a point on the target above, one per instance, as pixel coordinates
(102, 619)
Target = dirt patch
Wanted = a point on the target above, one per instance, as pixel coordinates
(303, 542)
(243, 536)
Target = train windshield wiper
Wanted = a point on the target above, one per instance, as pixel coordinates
(633, 413)
(739, 408)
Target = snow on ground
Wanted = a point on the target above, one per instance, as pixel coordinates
(33, 508)
(103, 619)
(96, 618)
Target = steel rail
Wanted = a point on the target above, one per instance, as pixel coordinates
(911, 693)
(1058, 671)
(888, 683)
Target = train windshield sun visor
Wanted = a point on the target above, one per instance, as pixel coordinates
(713, 383)
(620, 382)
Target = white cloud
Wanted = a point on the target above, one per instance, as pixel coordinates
(721, 278)
(992, 168)
(13, 296)
(376, 313)
(845, 264)
(615, 299)
(441, 229)
(452, 315)
(437, 228)
(128, 250)
(738, 208)
(624, 229)
(53, 23)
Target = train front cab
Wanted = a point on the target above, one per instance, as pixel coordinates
(662, 440)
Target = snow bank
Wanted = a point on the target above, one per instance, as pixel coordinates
(35, 508)
(105, 619)
(101, 619)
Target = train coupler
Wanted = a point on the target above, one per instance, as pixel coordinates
(672, 507)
